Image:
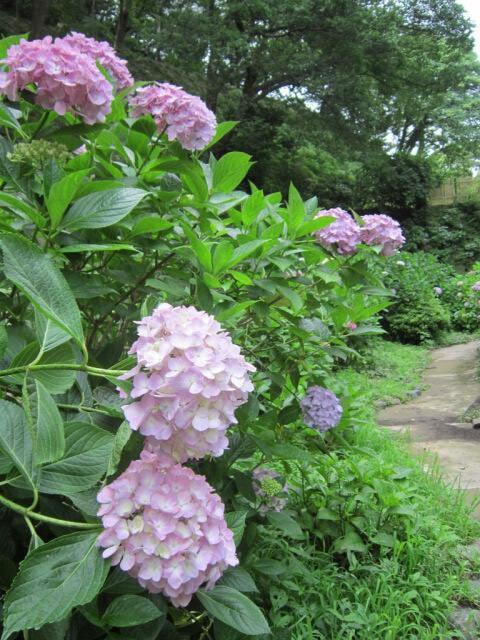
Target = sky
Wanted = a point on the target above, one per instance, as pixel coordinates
(472, 8)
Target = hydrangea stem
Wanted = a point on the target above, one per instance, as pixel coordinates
(93, 371)
(24, 511)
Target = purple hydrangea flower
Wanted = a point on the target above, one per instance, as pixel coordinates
(321, 409)
(476, 286)
(106, 56)
(342, 235)
(184, 117)
(165, 526)
(189, 380)
(66, 79)
(382, 230)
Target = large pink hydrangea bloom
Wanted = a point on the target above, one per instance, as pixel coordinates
(165, 526)
(66, 79)
(106, 56)
(382, 230)
(188, 381)
(184, 117)
(343, 235)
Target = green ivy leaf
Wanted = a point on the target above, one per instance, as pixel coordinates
(234, 609)
(34, 273)
(64, 573)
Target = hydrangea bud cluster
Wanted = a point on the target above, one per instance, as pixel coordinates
(382, 230)
(350, 325)
(343, 235)
(65, 78)
(37, 153)
(476, 286)
(321, 409)
(106, 56)
(184, 117)
(165, 526)
(188, 382)
(270, 492)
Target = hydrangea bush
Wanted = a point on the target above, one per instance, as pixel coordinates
(160, 326)
(461, 295)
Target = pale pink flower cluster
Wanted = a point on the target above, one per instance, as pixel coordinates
(382, 230)
(184, 117)
(165, 526)
(476, 286)
(188, 382)
(65, 78)
(343, 235)
(106, 56)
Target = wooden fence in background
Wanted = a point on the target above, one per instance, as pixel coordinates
(455, 190)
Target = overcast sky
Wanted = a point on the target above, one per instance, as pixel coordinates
(473, 9)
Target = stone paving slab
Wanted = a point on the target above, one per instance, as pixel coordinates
(433, 420)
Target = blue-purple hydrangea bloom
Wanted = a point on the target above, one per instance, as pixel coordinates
(321, 409)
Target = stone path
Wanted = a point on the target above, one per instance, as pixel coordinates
(433, 420)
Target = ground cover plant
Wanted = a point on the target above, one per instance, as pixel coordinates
(171, 337)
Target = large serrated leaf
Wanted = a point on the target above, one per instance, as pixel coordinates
(87, 453)
(15, 439)
(102, 209)
(50, 439)
(34, 273)
(234, 609)
(64, 573)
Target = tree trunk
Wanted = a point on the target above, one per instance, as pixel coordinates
(122, 24)
(212, 72)
(39, 17)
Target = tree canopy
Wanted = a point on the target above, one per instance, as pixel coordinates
(329, 92)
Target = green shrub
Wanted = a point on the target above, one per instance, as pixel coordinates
(462, 300)
(451, 233)
(417, 313)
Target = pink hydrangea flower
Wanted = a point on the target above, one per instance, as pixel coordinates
(106, 56)
(66, 79)
(382, 230)
(188, 381)
(350, 325)
(476, 286)
(342, 235)
(165, 526)
(184, 117)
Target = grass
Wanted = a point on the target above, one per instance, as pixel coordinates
(448, 338)
(402, 589)
(388, 372)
